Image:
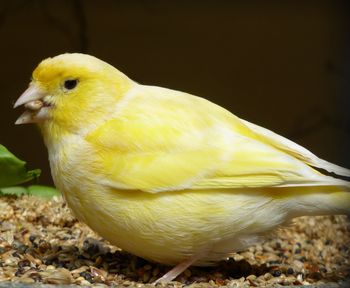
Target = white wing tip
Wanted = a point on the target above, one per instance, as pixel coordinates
(330, 167)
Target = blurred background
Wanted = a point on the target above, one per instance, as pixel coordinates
(284, 65)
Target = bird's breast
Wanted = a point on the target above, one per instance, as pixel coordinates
(167, 227)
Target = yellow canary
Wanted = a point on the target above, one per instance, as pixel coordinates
(166, 175)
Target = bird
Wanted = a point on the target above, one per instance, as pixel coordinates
(166, 175)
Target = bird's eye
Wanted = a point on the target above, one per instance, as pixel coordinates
(70, 84)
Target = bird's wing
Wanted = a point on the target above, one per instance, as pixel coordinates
(170, 143)
(295, 150)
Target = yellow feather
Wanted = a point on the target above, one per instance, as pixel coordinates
(149, 144)
(167, 175)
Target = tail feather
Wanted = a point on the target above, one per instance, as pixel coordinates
(319, 201)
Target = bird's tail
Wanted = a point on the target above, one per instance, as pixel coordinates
(319, 200)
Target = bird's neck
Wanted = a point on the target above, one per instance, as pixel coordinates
(53, 133)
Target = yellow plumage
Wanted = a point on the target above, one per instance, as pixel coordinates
(167, 175)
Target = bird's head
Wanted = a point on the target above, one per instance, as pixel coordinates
(71, 90)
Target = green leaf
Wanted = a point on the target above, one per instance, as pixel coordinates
(14, 191)
(13, 170)
(34, 190)
(43, 191)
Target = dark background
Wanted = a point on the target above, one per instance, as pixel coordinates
(281, 64)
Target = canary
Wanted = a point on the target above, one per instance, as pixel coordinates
(166, 175)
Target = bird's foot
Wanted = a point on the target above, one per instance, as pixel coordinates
(177, 270)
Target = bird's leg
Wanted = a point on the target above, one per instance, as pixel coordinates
(178, 269)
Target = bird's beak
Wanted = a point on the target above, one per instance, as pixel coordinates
(34, 102)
